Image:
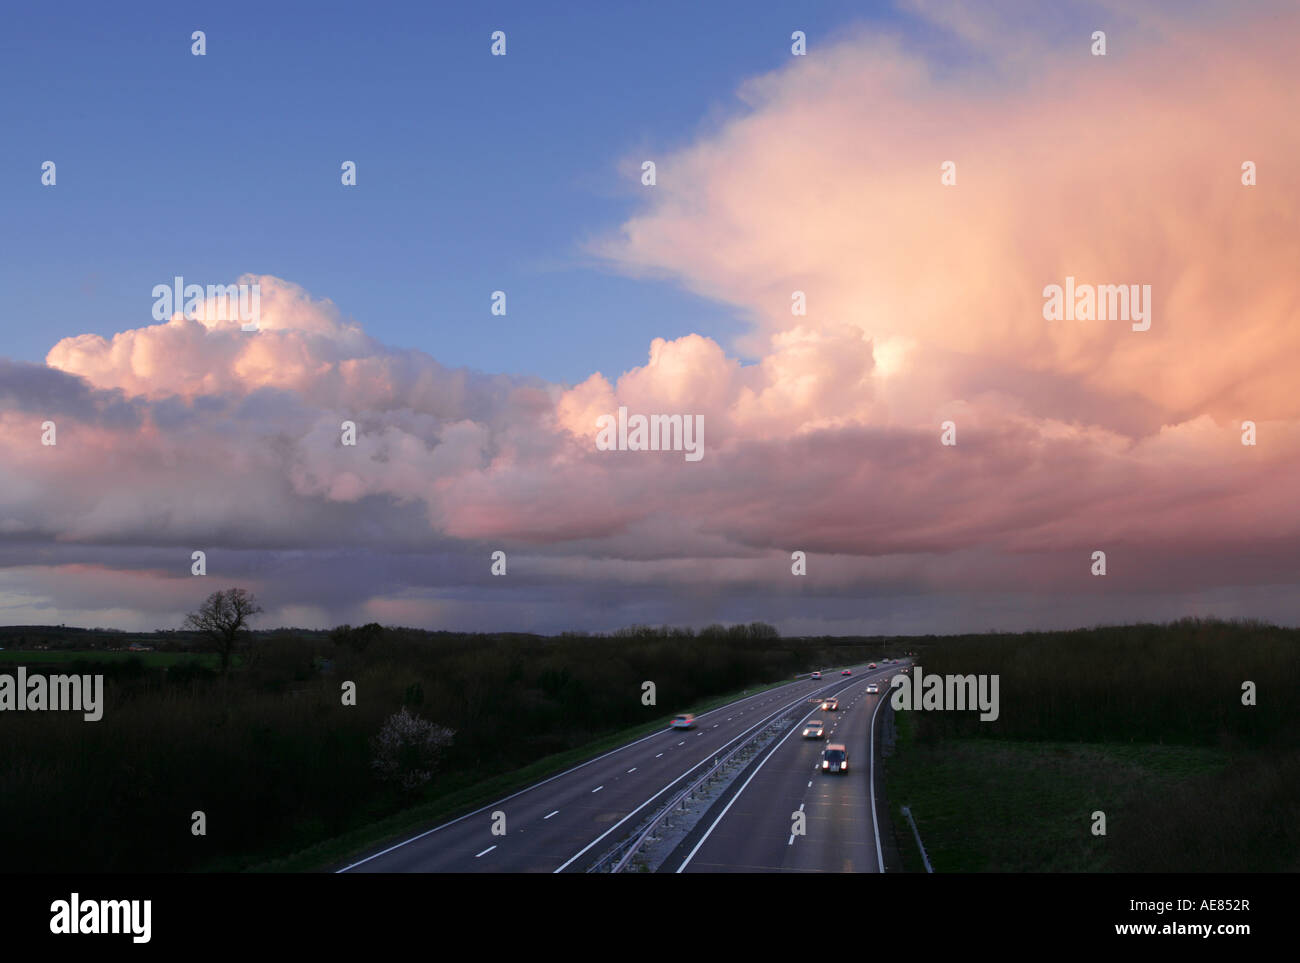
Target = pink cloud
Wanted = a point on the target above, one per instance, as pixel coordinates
(924, 305)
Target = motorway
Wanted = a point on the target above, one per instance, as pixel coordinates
(566, 822)
(751, 828)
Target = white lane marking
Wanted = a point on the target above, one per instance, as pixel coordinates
(568, 862)
(633, 769)
(732, 802)
(745, 697)
(494, 805)
(598, 789)
(682, 743)
(801, 807)
(660, 754)
(810, 781)
(549, 815)
(876, 825)
(486, 851)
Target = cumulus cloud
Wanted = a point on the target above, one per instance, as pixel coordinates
(924, 305)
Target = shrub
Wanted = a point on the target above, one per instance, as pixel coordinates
(407, 748)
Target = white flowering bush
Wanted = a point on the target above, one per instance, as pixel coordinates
(407, 748)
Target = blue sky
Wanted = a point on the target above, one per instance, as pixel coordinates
(475, 173)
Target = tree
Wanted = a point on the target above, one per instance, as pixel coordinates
(358, 638)
(223, 618)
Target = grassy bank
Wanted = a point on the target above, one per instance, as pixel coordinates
(1143, 723)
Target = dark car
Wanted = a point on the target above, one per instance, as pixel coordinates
(835, 758)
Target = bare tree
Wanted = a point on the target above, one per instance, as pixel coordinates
(223, 618)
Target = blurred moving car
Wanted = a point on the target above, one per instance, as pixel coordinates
(683, 720)
(815, 729)
(847, 672)
(830, 705)
(835, 758)
(872, 689)
(871, 665)
(816, 675)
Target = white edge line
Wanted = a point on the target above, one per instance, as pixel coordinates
(486, 851)
(875, 823)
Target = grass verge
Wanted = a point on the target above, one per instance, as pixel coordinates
(993, 805)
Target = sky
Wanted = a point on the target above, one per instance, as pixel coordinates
(947, 455)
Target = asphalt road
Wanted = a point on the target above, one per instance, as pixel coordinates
(752, 827)
(566, 822)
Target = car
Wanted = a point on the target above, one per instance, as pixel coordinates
(814, 729)
(847, 672)
(683, 720)
(871, 665)
(835, 758)
(816, 675)
(873, 689)
(831, 705)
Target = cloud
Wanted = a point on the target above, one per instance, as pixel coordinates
(924, 305)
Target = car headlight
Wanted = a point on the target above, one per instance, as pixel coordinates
(844, 765)
(825, 764)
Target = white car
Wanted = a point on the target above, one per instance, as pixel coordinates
(873, 689)
(815, 729)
